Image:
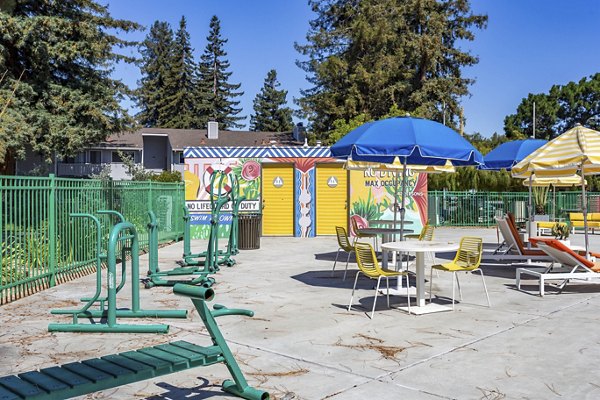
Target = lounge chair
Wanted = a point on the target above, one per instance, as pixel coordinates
(515, 249)
(571, 266)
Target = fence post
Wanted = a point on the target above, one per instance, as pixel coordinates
(52, 231)
(150, 196)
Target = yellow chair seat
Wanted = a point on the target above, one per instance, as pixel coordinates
(454, 267)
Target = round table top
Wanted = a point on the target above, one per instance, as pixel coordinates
(388, 222)
(383, 231)
(420, 246)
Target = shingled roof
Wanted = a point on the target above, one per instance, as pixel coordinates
(181, 138)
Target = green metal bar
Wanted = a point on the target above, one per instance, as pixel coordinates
(52, 230)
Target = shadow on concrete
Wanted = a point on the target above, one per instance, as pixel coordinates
(197, 392)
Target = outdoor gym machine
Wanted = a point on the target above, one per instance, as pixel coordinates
(213, 257)
(121, 233)
(156, 277)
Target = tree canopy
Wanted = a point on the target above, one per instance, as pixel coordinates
(558, 110)
(367, 57)
(271, 114)
(57, 57)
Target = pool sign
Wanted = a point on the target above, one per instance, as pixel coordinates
(332, 182)
(278, 182)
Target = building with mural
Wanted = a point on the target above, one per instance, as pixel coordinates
(299, 190)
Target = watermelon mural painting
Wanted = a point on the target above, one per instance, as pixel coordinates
(200, 185)
(372, 197)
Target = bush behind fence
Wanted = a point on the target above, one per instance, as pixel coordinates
(447, 208)
(42, 245)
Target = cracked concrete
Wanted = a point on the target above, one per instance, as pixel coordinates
(304, 344)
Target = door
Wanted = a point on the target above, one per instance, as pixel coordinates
(278, 199)
(332, 192)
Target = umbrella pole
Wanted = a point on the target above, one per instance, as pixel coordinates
(585, 221)
(531, 218)
(402, 209)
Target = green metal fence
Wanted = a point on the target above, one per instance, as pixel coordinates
(42, 245)
(479, 208)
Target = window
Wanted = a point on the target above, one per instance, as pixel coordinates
(95, 157)
(178, 157)
(116, 156)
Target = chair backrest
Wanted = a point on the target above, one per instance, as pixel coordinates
(520, 246)
(367, 260)
(563, 254)
(342, 238)
(507, 233)
(469, 252)
(427, 233)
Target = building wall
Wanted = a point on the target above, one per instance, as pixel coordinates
(370, 194)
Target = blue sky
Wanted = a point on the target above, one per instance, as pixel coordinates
(528, 46)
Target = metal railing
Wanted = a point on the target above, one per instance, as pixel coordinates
(42, 245)
(479, 208)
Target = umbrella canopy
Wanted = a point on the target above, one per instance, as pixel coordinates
(506, 155)
(559, 181)
(406, 141)
(575, 151)
(414, 141)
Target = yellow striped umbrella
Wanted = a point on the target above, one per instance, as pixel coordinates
(577, 151)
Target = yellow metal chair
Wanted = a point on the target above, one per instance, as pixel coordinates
(425, 235)
(344, 243)
(468, 259)
(358, 235)
(368, 266)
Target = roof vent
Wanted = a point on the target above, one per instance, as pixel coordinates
(213, 130)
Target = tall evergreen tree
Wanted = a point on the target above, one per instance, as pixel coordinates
(216, 94)
(369, 56)
(57, 57)
(156, 58)
(269, 106)
(178, 109)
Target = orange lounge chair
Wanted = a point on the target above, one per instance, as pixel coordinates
(571, 266)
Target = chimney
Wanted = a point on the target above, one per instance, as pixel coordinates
(213, 130)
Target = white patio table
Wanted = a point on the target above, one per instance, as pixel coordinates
(419, 248)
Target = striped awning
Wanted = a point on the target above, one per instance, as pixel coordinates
(256, 152)
(578, 149)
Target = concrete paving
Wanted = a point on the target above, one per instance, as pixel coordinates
(304, 344)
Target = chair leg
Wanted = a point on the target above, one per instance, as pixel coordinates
(407, 293)
(353, 288)
(453, 288)
(484, 287)
(347, 261)
(335, 262)
(430, 283)
(387, 284)
(458, 284)
(375, 299)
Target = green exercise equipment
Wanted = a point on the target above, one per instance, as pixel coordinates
(156, 277)
(125, 234)
(92, 375)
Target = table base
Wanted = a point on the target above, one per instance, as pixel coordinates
(426, 309)
(395, 291)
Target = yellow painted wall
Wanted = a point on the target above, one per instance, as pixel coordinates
(331, 204)
(278, 202)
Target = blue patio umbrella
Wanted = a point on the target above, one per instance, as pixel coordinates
(506, 155)
(409, 140)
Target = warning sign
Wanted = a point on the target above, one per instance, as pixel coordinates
(332, 182)
(278, 182)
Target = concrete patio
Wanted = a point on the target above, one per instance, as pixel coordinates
(304, 344)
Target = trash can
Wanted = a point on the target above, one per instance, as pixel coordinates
(249, 231)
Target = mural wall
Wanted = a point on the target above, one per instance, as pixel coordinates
(370, 197)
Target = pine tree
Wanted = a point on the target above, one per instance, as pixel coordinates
(369, 56)
(269, 106)
(58, 57)
(178, 108)
(214, 92)
(156, 57)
